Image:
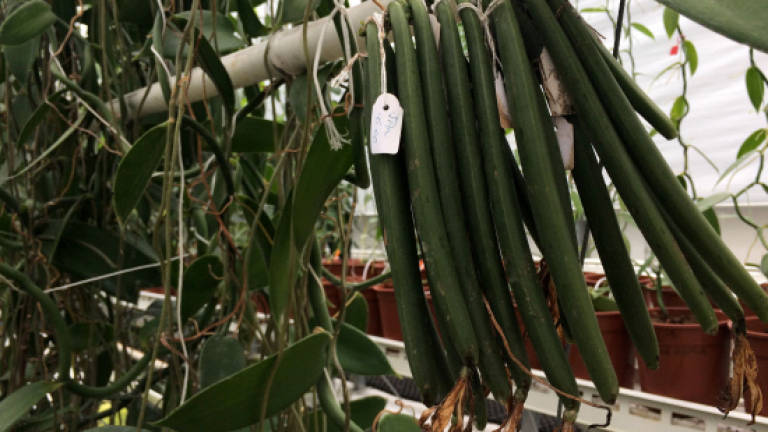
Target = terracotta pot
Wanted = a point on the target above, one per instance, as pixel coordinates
(748, 312)
(332, 296)
(757, 335)
(375, 268)
(334, 265)
(591, 278)
(646, 281)
(374, 312)
(533, 360)
(692, 364)
(619, 348)
(355, 267)
(669, 296)
(260, 300)
(390, 321)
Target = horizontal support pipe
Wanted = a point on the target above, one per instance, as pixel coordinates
(249, 66)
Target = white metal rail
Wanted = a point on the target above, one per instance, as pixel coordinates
(634, 411)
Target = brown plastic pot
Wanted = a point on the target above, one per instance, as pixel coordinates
(159, 290)
(390, 321)
(757, 335)
(374, 312)
(260, 300)
(749, 312)
(693, 365)
(334, 265)
(533, 360)
(355, 267)
(669, 296)
(591, 278)
(619, 349)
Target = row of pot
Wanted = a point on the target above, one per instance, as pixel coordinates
(694, 366)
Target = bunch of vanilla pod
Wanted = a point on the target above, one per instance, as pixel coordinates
(454, 189)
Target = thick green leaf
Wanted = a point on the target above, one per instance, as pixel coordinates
(764, 265)
(65, 9)
(691, 55)
(136, 168)
(213, 67)
(86, 335)
(604, 304)
(61, 139)
(86, 251)
(255, 135)
(294, 10)
(259, 250)
(738, 163)
(136, 13)
(25, 22)
(200, 281)
(357, 312)
(710, 201)
(323, 171)
(297, 92)
(220, 357)
(397, 423)
(643, 29)
(21, 57)
(89, 97)
(679, 108)
(237, 401)
(363, 411)
(360, 355)
(671, 18)
(226, 40)
(14, 406)
(251, 24)
(283, 264)
(752, 142)
(258, 260)
(29, 127)
(755, 87)
(741, 20)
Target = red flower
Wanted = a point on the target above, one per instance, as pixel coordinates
(674, 50)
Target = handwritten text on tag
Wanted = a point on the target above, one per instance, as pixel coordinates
(386, 124)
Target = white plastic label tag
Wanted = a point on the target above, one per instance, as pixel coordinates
(565, 140)
(557, 96)
(386, 124)
(501, 103)
(435, 29)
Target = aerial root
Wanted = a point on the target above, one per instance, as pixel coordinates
(744, 380)
(451, 409)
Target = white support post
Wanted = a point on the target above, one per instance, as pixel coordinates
(249, 65)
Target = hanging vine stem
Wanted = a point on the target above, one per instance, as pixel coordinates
(630, 40)
(172, 146)
(681, 107)
(617, 32)
(760, 149)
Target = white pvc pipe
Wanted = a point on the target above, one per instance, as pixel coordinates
(249, 65)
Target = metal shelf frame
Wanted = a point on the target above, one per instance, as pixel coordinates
(634, 411)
